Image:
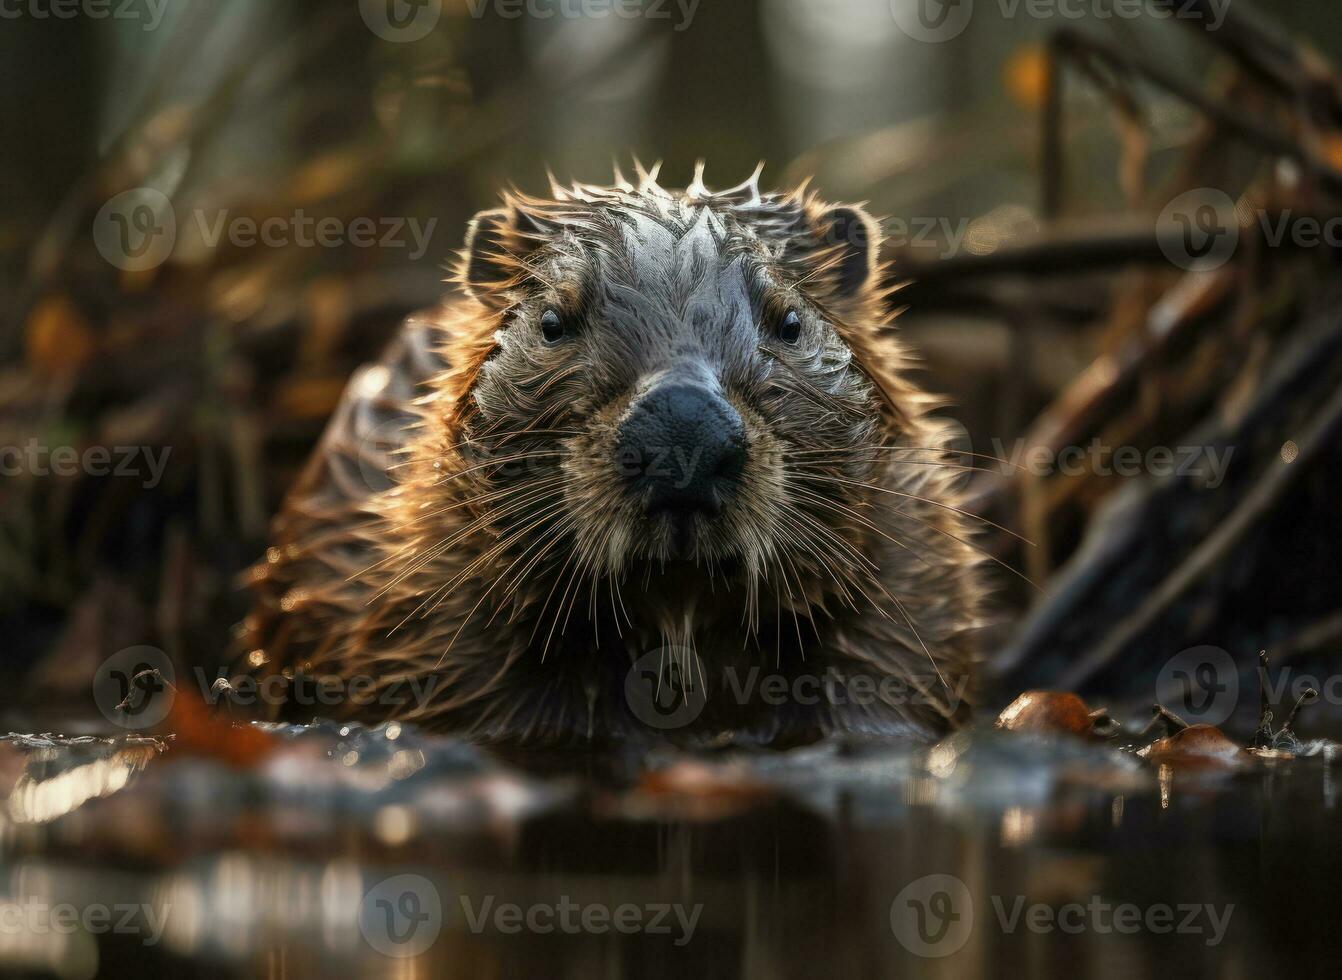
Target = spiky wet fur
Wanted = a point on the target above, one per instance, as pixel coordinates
(509, 567)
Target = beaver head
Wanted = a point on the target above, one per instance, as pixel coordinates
(660, 377)
(677, 420)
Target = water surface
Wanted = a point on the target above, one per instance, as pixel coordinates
(327, 850)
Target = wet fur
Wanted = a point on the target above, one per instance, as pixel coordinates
(507, 563)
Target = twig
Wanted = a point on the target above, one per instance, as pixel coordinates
(1217, 545)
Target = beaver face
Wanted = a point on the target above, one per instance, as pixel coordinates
(666, 377)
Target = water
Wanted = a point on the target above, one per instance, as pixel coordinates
(349, 851)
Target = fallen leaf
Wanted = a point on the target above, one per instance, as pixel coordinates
(1196, 746)
(199, 731)
(1047, 712)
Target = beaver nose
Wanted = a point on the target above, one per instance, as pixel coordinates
(680, 445)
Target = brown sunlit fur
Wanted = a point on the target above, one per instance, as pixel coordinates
(509, 565)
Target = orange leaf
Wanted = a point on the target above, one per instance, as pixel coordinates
(59, 338)
(1047, 712)
(200, 732)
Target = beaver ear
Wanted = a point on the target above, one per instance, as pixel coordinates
(493, 258)
(488, 262)
(850, 243)
(855, 232)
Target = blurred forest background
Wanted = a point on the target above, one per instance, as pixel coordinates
(233, 356)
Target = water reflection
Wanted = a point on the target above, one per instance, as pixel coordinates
(985, 854)
(39, 797)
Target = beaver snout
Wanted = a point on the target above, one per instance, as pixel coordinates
(681, 446)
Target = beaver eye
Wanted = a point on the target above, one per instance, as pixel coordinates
(552, 327)
(789, 329)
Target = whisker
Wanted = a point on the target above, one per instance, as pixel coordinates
(563, 607)
(445, 591)
(540, 616)
(939, 530)
(918, 636)
(911, 449)
(908, 619)
(487, 497)
(482, 437)
(871, 574)
(824, 478)
(792, 606)
(841, 460)
(504, 461)
(556, 537)
(530, 496)
(400, 552)
(806, 536)
(854, 515)
(498, 579)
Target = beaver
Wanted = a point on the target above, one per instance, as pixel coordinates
(649, 427)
